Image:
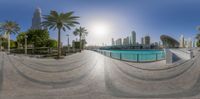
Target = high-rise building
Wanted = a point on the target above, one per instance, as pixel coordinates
(189, 43)
(142, 40)
(119, 41)
(182, 41)
(147, 40)
(37, 19)
(126, 41)
(113, 42)
(194, 43)
(186, 43)
(133, 38)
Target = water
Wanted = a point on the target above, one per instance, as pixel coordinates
(135, 55)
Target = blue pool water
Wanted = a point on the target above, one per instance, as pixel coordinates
(135, 55)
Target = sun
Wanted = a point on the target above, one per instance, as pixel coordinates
(100, 29)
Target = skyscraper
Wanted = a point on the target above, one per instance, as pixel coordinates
(182, 41)
(113, 42)
(194, 43)
(37, 19)
(142, 40)
(126, 41)
(189, 43)
(119, 41)
(147, 40)
(133, 38)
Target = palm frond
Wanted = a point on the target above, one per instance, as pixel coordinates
(10, 27)
(61, 21)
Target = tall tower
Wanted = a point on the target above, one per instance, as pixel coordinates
(118, 41)
(142, 40)
(126, 41)
(37, 19)
(113, 42)
(147, 40)
(182, 41)
(189, 42)
(133, 38)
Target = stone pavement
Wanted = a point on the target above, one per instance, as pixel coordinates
(89, 75)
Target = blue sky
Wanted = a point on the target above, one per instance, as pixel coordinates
(146, 17)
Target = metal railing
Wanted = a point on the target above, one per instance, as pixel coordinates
(133, 57)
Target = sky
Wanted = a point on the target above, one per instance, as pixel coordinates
(118, 17)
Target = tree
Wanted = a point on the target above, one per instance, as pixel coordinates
(21, 38)
(52, 43)
(13, 44)
(60, 21)
(2, 40)
(198, 37)
(198, 40)
(38, 38)
(81, 32)
(198, 44)
(9, 27)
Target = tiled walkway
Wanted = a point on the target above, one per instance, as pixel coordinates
(89, 75)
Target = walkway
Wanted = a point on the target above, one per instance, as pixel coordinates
(89, 75)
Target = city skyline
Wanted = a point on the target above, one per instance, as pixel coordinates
(152, 17)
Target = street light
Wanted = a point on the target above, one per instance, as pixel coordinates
(68, 41)
(26, 44)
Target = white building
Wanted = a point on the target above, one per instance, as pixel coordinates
(37, 19)
(126, 41)
(113, 42)
(132, 39)
(182, 41)
(118, 41)
(194, 43)
(188, 43)
(147, 40)
(142, 40)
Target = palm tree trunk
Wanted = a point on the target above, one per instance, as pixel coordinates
(59, 43)
(8, 34)
(80, 41)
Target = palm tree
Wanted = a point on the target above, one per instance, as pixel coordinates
(60, 21)
(9, 27)
(81, 31)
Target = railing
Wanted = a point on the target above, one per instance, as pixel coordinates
(134, 57)
(40, 51)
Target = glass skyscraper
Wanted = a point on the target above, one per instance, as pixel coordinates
(37, 19)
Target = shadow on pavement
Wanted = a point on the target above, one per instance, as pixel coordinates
(1, 71)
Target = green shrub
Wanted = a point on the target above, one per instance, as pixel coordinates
(198, 44)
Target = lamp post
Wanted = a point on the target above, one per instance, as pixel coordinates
(26, 44)
(68, 42)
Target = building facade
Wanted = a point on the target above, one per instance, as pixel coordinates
(189, 43)
(132, 39)
(142, 40)
(37, 19)
(113, 42)
(182, 41)
(147, 40)
(118, 41)
(126, 41)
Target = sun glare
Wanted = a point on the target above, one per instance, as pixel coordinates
(100, 29)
